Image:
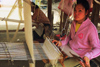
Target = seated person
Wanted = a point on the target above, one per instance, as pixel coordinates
(42, 22)
(83, 37)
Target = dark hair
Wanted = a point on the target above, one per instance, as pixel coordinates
(84, 3)
(33, 4)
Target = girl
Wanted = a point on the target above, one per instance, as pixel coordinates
(83, 37)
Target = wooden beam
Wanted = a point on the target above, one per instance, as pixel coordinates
(50, 15)
(49, 9)
(61, 21)
(95, 13)
(28, 29)
(11, 20)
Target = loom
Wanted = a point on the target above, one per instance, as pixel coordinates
(49, 50)
(20, 52)
(14, 52)
(53, 53)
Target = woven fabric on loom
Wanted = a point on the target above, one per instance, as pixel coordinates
(14, 51)
(53, 53)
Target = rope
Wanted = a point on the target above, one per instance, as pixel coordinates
(97, 2)
(65, 26)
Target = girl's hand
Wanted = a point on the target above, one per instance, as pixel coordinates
(58, 43)
(87, 62)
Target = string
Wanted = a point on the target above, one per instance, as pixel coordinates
(52, 51)
(13, 51)
(65, 27)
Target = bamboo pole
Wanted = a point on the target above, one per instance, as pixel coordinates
(20, 15)
(11, 20)
(13, 8)
(28, 28)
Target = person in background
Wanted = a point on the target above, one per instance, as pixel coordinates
(41, 22)
(83, 37)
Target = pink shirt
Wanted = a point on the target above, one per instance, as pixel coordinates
(85, 42)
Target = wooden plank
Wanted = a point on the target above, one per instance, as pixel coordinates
(49, 9)
(28, 29)
(50, 13)
(61, 21)
(95, 13)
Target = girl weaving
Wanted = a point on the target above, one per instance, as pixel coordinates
(83, 37)
(41, 22)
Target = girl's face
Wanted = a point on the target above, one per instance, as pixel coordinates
(79, 13)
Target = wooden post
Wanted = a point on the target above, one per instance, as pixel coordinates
(61, 21)
(50, 12)
(28, 28)
(95, 13)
